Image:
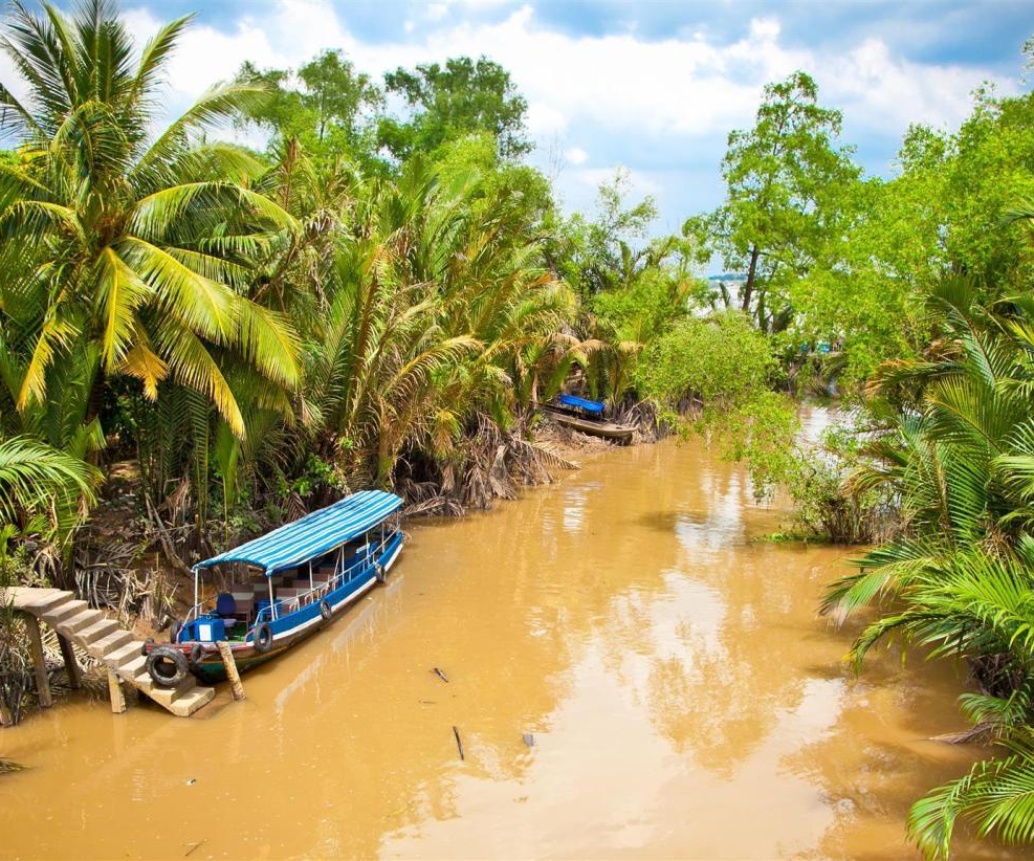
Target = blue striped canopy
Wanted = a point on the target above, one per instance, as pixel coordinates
(314, 534)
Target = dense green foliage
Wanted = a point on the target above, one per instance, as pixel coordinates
(959, 458)
(257, 332)
(918, 289)
(384, 299)
(724, 366)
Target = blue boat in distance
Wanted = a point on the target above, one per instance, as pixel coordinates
(302, 576)
(581, 405)
(586, 416)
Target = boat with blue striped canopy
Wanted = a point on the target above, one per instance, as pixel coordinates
(298, 578)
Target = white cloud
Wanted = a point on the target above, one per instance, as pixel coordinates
(544, 120)
(661, 106)
(685, 87)
(576, 155)
(639, 182)
(881, 91)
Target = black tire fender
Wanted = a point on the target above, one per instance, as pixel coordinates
(325, 610)
(263, 638)
(167, 666)
(174, 630)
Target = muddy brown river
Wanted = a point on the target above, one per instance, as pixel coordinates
(632, 672)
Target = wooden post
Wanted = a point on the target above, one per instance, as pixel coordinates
(75, 674)
(226, 653)
(36, 648)
(6, 718)
(118, 700)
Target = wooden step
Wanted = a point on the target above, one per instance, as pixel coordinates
(135, 671)
(102, 638)
(47, 602)
(83, 619)
(64, 611)
(167, 696)
(104, 647)
(88, 636)
(128, 652)
(189, 703)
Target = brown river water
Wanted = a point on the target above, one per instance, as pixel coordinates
(681, 697)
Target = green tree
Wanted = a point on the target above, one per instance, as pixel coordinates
(447, 102)
(41, 484)
(328, 106)
(785, 202)
(119, 247)
(718, 370)
(871, 292)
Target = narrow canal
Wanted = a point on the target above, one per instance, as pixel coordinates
(680, 697)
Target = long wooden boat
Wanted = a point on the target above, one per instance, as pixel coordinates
(303, 576)
(596, 427)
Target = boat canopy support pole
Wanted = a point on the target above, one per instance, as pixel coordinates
(197, 608)
(272, 603)
(311, 586)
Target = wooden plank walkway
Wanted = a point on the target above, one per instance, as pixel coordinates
(101, 638)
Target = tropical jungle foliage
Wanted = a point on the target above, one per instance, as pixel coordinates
(228, 337)
(374, 299)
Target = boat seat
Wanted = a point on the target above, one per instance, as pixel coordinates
(245, 607)
(226, 608)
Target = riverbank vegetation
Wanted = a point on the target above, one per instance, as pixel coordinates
(200, 339)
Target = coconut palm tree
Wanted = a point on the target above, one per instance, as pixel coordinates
(133, 246)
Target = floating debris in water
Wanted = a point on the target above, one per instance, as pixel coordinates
(529, 739)
(459, 742)
(191, 781)
(440, 675)
(7, 766)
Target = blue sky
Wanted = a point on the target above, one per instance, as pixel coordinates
(654, 86)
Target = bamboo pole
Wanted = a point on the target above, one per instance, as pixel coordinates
(38, 662)
(118, 699)
(75, 674)
(226, 653)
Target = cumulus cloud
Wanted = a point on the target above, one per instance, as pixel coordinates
(684, 86)
(576, 155)
(653, 104)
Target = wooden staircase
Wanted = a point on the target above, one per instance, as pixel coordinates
(101, 638)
